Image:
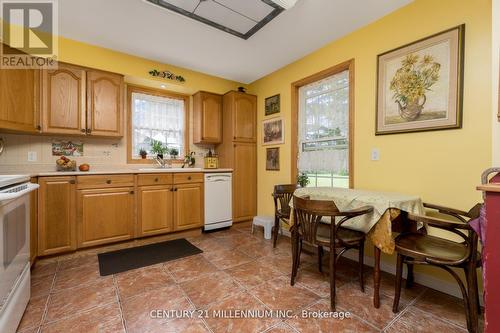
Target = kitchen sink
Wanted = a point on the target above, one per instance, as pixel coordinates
(171, 169)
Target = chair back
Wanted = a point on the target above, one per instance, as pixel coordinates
(308, 214)
(282, 195)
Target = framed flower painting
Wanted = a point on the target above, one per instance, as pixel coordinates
(420, 85)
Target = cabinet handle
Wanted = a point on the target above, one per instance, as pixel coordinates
(89, 131)
(156, 179)
(83, 130)
(39, 128)
(189, 178)
(72, 182)
(131, 192)
(172, 189)
(108, 181)
(175, 189)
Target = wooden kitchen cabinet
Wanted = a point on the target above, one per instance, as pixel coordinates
(155, 210)
(244, 181)
(188, 206)
(207, 118)
(242, 109)
(105, 215)
(104, 103)
(19, 100)
(56, 215)
(63, 100)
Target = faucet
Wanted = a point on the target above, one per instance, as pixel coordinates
(161, 162)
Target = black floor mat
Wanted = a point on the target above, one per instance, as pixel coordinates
(142, 256)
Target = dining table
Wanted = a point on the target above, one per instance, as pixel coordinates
(389, 216)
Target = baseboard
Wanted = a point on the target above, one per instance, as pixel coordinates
(447, 287)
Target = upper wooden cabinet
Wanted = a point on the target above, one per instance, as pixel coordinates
(207, 118)
(63, 100)
(104, 103)
(19, 100)
(243, 110)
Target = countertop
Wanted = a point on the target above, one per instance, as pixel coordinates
(110, 171)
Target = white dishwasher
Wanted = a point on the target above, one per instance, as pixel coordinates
(218, 201)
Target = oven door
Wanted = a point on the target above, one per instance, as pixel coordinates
(14, 244)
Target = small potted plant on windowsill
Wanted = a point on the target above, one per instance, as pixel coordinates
(143, 154)
(174, 153)
(302, 179)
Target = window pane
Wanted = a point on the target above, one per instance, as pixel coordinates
(157, 118)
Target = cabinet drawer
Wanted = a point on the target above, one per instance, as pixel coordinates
(103, 181)
(186, 178)
(154, 179)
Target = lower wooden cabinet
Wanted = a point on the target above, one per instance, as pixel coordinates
(56, 215)
(105, 215)
(188, 205)
(155, 210)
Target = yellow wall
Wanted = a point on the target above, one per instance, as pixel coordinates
(442, 167)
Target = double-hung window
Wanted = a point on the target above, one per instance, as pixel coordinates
(324, 131)
(157, 116)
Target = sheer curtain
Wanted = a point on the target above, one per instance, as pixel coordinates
(324, 126)
(157, 118)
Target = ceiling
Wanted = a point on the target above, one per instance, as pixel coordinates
(140, 28)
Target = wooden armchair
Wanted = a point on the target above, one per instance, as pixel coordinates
(282, 196)
(418, 248)
(309, 228)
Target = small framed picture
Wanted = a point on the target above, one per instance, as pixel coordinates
(273, 132)
(272, 159)
(272, 105)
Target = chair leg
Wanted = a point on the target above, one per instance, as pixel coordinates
(275, 230)
(399, 278)
(471, 276)
(409, 277)
(295, 246)
(320, 258)
(362, 265)
(332, 277)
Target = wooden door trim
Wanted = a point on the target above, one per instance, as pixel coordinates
(161, 93)
(295, 86)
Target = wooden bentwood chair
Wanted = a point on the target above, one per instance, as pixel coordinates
(282, 196)
(418, 248)
(309, 228)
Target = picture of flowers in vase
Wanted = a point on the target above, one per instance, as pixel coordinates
(419, 85)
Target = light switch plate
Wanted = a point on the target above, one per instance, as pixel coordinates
(32, 156)
(375, 154)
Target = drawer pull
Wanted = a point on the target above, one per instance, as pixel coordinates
(108, 181)
(156, 180)
(189, 178)
(131, 192)
(83, 130)
(72, 182)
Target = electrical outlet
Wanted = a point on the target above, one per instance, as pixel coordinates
(375, 154)
(32, 156)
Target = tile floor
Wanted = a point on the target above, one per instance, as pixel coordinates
(237, 271)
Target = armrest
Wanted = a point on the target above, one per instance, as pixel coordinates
(439, 223)
(448, 211)
(357, 211)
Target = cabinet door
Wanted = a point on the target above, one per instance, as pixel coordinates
(104, 104)
(56, 215)
(19, 99)
(244, 181)
(63, 100)
(105, 215)
(207, 118)
(244, 118)
(155, 210)
(188, 206)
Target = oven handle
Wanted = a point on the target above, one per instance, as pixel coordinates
(15, 195)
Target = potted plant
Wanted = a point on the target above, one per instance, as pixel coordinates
(143, 153)
(412, 80)
(302, 179)
(174, 153)
(158, 148)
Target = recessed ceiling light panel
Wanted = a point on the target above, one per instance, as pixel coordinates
(241, 18)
